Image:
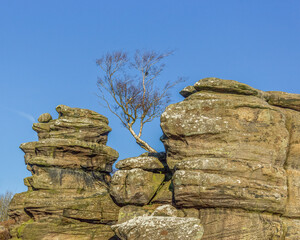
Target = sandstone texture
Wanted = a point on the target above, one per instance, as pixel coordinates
(154, 162)
(234, 151)
(4, 234)
(68, 192)
(231, 171)
(140, 179)
(163, 224)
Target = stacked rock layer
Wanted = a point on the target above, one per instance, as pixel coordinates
(231, 171)
(68, 192)
(235, 153)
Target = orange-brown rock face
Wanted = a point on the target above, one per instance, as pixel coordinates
(235, 151)
(68, 192)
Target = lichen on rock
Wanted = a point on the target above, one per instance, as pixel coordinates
(68, 192)
(231, 171)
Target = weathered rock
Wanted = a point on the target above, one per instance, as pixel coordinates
(233, 164)
(159, 228)
(199, 189)
(293, 126)
(292, 164)
(285, 100)
(190, 212)
(4, 234)
(165, 211)
(227, 183)
(135, 186)
(131, 211)
(220, 125)
(292, 227)
(68, 195)
(16, 208)
(65, 111)
(69, 153)
(226, 86)
(187, 91)
(236, 224)
(148, 162)
(61, 178)
(44, 118)
(236, 147)
(65, 230)
(78, 204)
(75, 123)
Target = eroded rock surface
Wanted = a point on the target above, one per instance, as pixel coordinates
(231, 171)
(235, 155)
(135, 186)
(148, 161)
(141, 180)
(160, 227)
(68, 192)
(4, 234)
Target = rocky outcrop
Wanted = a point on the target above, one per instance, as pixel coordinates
(234, 151)
(231, 171)
(68, 192)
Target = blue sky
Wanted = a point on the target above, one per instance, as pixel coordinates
(48, 51)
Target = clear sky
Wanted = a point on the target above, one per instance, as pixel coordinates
(48, 51)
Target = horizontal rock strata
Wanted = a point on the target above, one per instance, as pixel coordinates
(140, 179)
(231, 171)
(68, 192)
(235, 155)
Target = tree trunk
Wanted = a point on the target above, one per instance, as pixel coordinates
(141, 142)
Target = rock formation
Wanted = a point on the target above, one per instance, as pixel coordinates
(231, 171)
(68, 192)
(139, 179)
(235, 155)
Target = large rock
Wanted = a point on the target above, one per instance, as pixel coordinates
(83, 205)
(135, 186)
(235, 154)
(285, 100)
(232, 163)
(68, 192)
(65, 230)
(226, 86)
(159, 228)
(227, 183)
(229, 147)
(44, 118)
(208, 124)
(236, 224)
(148, 161)
(69, 153)
(74, 123)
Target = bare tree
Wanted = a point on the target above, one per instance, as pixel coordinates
(130, 84)
(4, 205)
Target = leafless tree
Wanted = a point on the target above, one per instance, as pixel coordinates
(4, 205)
(127, 87)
